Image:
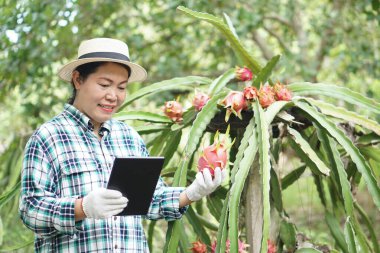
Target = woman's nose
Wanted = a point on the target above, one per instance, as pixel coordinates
(111, 95)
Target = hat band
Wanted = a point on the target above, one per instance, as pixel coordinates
(111, 55)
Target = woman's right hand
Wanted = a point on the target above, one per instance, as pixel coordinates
(103, 203)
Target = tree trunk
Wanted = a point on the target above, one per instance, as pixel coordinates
(254, 209)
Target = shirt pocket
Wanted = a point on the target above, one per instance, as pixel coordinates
(80, 175)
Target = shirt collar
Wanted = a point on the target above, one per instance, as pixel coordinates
(83, 121)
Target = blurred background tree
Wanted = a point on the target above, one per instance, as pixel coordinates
(333, 41)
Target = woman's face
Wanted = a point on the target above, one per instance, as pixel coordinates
(102, 93)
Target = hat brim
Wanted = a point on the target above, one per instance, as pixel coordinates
(138, 73)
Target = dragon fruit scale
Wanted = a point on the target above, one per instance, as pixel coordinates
(198, 247)
(173, 110)
(250, 93)
(200, 100)
(234, 103)
(266, 96)
(243, 74)
(282, 92)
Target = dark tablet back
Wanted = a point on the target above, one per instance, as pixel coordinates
(136, 178)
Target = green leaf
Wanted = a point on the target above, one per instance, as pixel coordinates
(230, 25)
(339, 92)
(350, 236)
(236, 45)
(338, 167)
(151, 226)
(250, 130)
(293, 176)
(265, 167)
(172, 236)
(197, 226)
(307, 153)
(206, 222)
(308, 250)
(5, 197)
(219, 83)
(215, 206)
(274, 109)
(276, 192)
(334, 227)
(369, 224)
(148, 129)
(245, 165)
(288, 234)
(221, 237)
(371, 152)
(265, 73)
(369, 139)
(143, 116)
(342, 113)
(347, 144)
(159, 143)
(172, 84)
(171, 146)
(184, 238)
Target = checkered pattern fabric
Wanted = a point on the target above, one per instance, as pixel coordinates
(64, 161)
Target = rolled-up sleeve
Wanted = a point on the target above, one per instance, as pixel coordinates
(165, 203)
(40, 208)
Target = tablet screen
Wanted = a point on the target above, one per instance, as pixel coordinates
(136, 178)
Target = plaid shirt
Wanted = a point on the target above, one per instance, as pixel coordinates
(64, 161)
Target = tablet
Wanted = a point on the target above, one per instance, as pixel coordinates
(136, 178)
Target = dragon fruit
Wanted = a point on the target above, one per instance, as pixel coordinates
(282, 92)
(243, 74)
(215, 155)
(266, 96)
(198, 247)
(200, 99)
(234, 102)
(242, 247)
(271, 247)
(250, 93)
(173, 110)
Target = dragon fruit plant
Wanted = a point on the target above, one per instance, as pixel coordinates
(338, 147)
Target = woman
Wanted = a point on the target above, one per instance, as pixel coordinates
(68, 161)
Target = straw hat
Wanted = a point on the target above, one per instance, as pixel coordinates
(103, 49)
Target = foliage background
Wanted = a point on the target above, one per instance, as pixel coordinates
(331, 41)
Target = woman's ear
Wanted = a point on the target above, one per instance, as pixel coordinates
(77, 79)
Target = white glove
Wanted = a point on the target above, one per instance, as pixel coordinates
(103, 203)
(203, 184)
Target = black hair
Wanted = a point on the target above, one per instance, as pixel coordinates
(88, 68)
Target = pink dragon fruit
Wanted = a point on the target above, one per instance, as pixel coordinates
(266, 96)
(243, 74)
(250, 93)
(215, 155)
(234, 102)
(271, 247)
(200, 99)
(282, 92)
(242, 247)
(173, 110)
(199, 247)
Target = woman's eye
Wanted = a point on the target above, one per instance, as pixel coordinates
(104, 85)
(121, 88)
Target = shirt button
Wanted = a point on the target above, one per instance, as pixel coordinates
(115, 246)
